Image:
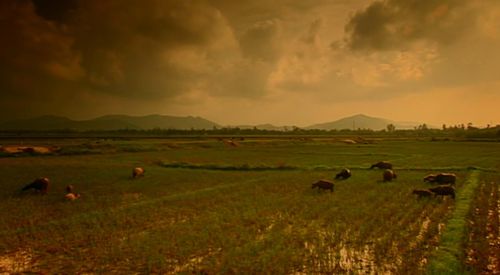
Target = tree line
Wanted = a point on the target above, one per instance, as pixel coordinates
(455, 131)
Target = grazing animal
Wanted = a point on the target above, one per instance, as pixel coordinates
(70, 193)
(441, 178)
(71, 196)
(382, 165)
(344, 174)
(443, 190)
(446, 178)
(323, 184)
(40, 185)
(422, 193)
(138, 172)
(389, 175)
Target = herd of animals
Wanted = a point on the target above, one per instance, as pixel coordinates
(41, 185)
(445, 181)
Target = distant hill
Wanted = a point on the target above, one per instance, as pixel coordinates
(117, 122)
(110, 122)
(361, 121)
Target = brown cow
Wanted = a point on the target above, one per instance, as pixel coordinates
(382, 165)
(389, 175)
(40, 185)
(70, 193)
(324, 184)
(71, 196)
(138, 172)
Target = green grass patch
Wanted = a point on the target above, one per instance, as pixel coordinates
(222, 167)
(449, 257)
(265, 167)
(204, 207)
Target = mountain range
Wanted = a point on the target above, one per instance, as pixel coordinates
(116, 122)
(109, 122)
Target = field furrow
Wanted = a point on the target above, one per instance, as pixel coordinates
(209, 208)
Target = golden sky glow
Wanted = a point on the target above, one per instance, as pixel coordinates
(286, 62)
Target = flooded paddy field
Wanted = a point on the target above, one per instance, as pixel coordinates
(243, 205)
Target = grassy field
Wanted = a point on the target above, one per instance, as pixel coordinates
(209, 206)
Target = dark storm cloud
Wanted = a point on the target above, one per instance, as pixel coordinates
(91, 57)
(126, 49)
(55, 10)
(62, 51)
(395, 24)
(103, 57)
(415, 45)
(35, 54)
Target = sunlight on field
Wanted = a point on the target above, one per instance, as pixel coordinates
(19, 261)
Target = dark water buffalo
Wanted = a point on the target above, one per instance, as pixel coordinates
(323, 184)
(388, 175)
(382, 165)
(344, 174)
(422, 193)
(40, 185)
(443, 190)
(441, 178)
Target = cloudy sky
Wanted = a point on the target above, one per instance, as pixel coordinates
(249, 62)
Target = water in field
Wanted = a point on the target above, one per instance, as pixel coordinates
(205, 206)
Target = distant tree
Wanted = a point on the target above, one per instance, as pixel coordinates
(391, 127)
(444, 127)
(422, 127)
(469, 126)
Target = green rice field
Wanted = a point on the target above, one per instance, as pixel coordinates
(245, 206)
